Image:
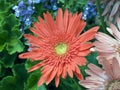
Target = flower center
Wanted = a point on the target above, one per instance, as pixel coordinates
(61, 48)
(114, 85)
(118, 49)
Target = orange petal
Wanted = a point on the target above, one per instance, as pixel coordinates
(50, 22)
(85, 46)
(64, 72)
(71, 23)
(51, 76)
(80, 28)
(35, 67)
(79, 76)
(88, 35)
(65, 20)
(60, 69)
(45, 75)
(84, 53)
(57, 80)
(41, 81)
(69, 70)
(32, 39)
(37, 32)
(59, 19)
(42, 27)
(80, 61)
(28, 55)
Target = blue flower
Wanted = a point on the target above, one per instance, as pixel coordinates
(24, 12)
(90, 10)
(34, 1)
(52, 6)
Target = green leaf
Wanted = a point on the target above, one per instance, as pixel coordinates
(14, 45)
(66, 84)
(16, 33)
(29, 64)
(17, 81)
(7, 60)
(92, 58)
(20, 72)
(10, 83)
(4, 6)
(7, 25)
(33, 80)
(82, 1)
(3, 39)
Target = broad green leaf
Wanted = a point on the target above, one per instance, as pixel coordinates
(20, 72)
(6, 59)
(33, 80)
(14, 45)
(7, 25)
(4, 6)
(15, 82)
(10, 83)
(3, 37)
(16, 33)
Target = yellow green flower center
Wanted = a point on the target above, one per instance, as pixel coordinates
(114, 85)
(61, 48)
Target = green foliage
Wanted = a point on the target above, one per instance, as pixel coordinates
(9, 83)
(92, 58)
(13, 71)
(15, 82)
(7, 60)
(10, 35)
(32, 80)
(66, 84)
(4, 6)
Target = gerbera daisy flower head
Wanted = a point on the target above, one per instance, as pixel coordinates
(108, 46)
(59, 46)
(112, 8)
(107, 78)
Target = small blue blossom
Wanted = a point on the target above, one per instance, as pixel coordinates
(52, 6)
(24, 12)
(25, 9)
(89, 11)
(34, 1)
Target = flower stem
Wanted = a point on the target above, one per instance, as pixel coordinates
(101, 17)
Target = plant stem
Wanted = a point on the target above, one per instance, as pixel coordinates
(101, 17)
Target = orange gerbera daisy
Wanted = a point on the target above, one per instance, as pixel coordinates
(58, 46)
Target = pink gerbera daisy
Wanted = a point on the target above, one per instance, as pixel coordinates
(59, 46)
(107, 78)
(108, 46)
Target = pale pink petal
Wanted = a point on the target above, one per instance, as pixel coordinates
(114, 10)
(104, 38)
(116, 33)
(90, 83)
(108, 68)
(116, 68)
